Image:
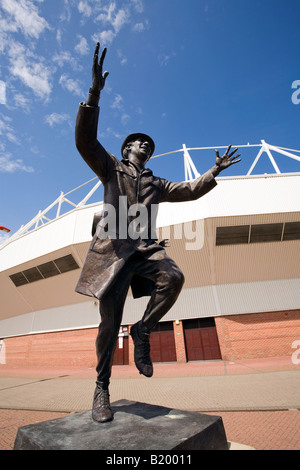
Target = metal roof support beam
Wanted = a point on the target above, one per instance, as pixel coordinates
(189, 165)
(283, 152)
(267, 150)
(264, 148)
(60, 200)
(255, 161)
(87, 197)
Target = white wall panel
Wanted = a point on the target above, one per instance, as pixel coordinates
(198, 302)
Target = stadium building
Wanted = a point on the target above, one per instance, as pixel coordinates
(238, 246)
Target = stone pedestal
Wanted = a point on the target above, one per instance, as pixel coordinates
(136, 426)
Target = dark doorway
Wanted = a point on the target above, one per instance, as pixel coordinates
(201, 339)
(162, 343)
(121, 355)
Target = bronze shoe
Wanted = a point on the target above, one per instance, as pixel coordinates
(141, 351)
(101, 412)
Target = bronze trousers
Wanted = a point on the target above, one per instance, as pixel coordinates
(168, 280)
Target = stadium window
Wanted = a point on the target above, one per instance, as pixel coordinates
(266, 233)
(19, 279)
(232, 235)
(66, 263)
(32, 274)
(44, 271)
(291, 231)
(48, 269)
(257, 233)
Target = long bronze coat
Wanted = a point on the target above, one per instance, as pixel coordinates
(107, 256)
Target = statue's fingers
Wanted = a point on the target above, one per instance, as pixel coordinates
(105, 75)
(228, 148)
(102, 57)
(232, 153)
(95, 59)
(96, 50)
(234, 159)
(217, 154)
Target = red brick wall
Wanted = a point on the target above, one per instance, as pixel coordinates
(69, 348)
(257, 335)
(240, 337)
(64, 348)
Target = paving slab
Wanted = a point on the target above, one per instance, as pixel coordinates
(260, 391)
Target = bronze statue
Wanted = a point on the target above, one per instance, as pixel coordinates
(118, 258)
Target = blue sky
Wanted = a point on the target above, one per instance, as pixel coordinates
(196, 72)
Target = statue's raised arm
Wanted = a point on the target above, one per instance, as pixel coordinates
(98, 77)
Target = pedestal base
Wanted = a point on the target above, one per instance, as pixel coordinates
(136, 426)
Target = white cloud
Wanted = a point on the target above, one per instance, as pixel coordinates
(108, 11)
(11, 136)
(8, 165)
(117, 103)
(82, 47)
(115, 19)
(66, 13)
(2, 92)
(34, 75)
(31, 70)
(61, 57)
(23, 15)
(65, 57)
(74, 86)
(59, 36)
(125, 118)
(140, 27)
(165, 58)
(56, 118)
(7, 130)
(120, 19)
(84, 8)
(109, 132)
(105, 37)
(21, 101)
(138, 5)
(122, 57)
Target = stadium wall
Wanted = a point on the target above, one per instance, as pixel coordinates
(258, 335)
(268, 334)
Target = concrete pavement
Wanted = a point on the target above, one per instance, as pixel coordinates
(217, 387)
(201, 386)
(262, 391)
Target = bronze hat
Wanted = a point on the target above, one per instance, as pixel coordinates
(132, 137)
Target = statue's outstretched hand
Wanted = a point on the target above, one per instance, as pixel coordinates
(227, 159)
(98, 79)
